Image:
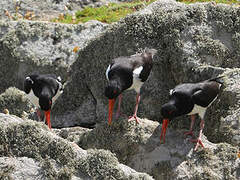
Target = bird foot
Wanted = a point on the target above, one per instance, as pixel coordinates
(190, 133)
(198, 141)
(134, 117)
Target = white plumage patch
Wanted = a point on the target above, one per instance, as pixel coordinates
(137, 83)
(28, 78)
(198, 110)
(171, 92)
(59, 79)
(107, 71)
(59, 92)
(137, 71)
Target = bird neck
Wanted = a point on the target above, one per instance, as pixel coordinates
(46, 93)
(116, 82)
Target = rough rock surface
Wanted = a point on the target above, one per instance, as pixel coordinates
(15, 102)
(27, 145)
(42, 47)
(138, 146)
(194, 42)
(44, 9)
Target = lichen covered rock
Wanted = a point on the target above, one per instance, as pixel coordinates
(138, 147)
(194, 42)
(56, 157)
(15, 102)
(44, 9)
(192, 46)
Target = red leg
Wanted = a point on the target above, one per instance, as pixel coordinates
(191, 126)
(199, 139)
(38, 114)
(134, 117)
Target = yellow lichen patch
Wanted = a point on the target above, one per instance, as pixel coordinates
(6, 111)
(7, 14)
(29, 15)
(61, 16)
(75, 49)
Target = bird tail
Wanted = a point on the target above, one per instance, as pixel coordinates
(217, 79)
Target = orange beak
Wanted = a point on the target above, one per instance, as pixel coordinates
(164, 128)
(110, 110)
(47, 116)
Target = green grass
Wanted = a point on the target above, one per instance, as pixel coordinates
(113, 12)
(108, 14)
(217, 1)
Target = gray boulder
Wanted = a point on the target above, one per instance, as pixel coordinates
(32, 144)
(42, 47)
(14, 101)
(44, 9)
(194, 42)
(138, 146)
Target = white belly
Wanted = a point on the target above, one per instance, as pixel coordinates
(198, 110)
(33, 99)
(137, 84)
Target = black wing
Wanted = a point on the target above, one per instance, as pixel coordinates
(205, 96)
(147, 58)
(50, 82)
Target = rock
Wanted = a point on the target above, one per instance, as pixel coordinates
(138, 147)
(45, 9)
(193, 45)
(71, 134)
(20, 168)
(14, 101)
(193, 41)
(227, 166)
(55, 157)
(42, 47)
(222, 120)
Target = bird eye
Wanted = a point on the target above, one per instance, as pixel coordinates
(50, 102)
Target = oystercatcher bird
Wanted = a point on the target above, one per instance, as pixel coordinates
(190, 99)
(43, 90)
(125, 73)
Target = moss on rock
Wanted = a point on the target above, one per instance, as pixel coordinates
(57, 157)
(15, 102)
(95, 169)
(123, 138)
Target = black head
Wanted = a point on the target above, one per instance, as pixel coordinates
(169, 111)
(28, 83)
(113, 90)
(45, 103)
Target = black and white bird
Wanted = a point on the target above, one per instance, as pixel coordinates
(43, 90)
(190, 99)
(125, 73)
